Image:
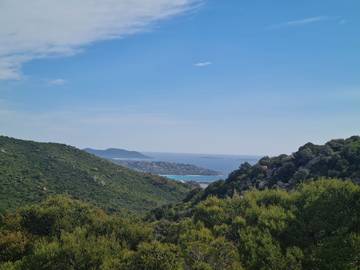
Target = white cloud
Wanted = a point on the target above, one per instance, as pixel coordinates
(307, 21)
(43, 28)
(343, 21)
(300, 22)
(202, 64)
(10, 65)
(57, 82)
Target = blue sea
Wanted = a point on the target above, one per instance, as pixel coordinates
(224, 164)
(196, 178)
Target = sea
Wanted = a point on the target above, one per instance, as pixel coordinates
(224, 164)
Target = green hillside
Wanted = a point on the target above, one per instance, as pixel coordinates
(310, 225)
(336, 159)
(30, 171)
(315, 226)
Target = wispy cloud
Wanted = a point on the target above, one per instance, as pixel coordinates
(307, 21)
(343, 21)
(203, 64)
(43, 28)
(57, 82)
(301, 22)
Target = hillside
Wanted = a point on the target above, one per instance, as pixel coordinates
(314, 227)
(30, 171)
(116, 153)
(311, 225)
(165, 168)
(335, 159)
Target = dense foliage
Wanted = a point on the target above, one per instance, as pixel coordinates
(315, 227)
(336, 159)
(288, 223)
(31, 171)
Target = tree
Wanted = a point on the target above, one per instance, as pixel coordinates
(155, 256)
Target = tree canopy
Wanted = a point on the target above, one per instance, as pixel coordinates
(316, 226)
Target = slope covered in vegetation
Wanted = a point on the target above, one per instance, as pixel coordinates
(30, 171)
(315, 226)
(336, 159)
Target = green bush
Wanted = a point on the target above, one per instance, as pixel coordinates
(315, 226)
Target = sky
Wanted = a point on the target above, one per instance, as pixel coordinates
(191, 76)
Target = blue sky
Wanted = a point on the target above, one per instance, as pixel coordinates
(231, 77)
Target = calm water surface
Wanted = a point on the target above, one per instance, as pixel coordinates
(196, 178)
(224, 164)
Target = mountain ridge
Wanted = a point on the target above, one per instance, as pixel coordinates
(112, 153)
(31, 171)
(337, 159)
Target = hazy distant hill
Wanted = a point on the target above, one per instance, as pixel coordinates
(165, 168)
(30, 171)
(116, 153)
